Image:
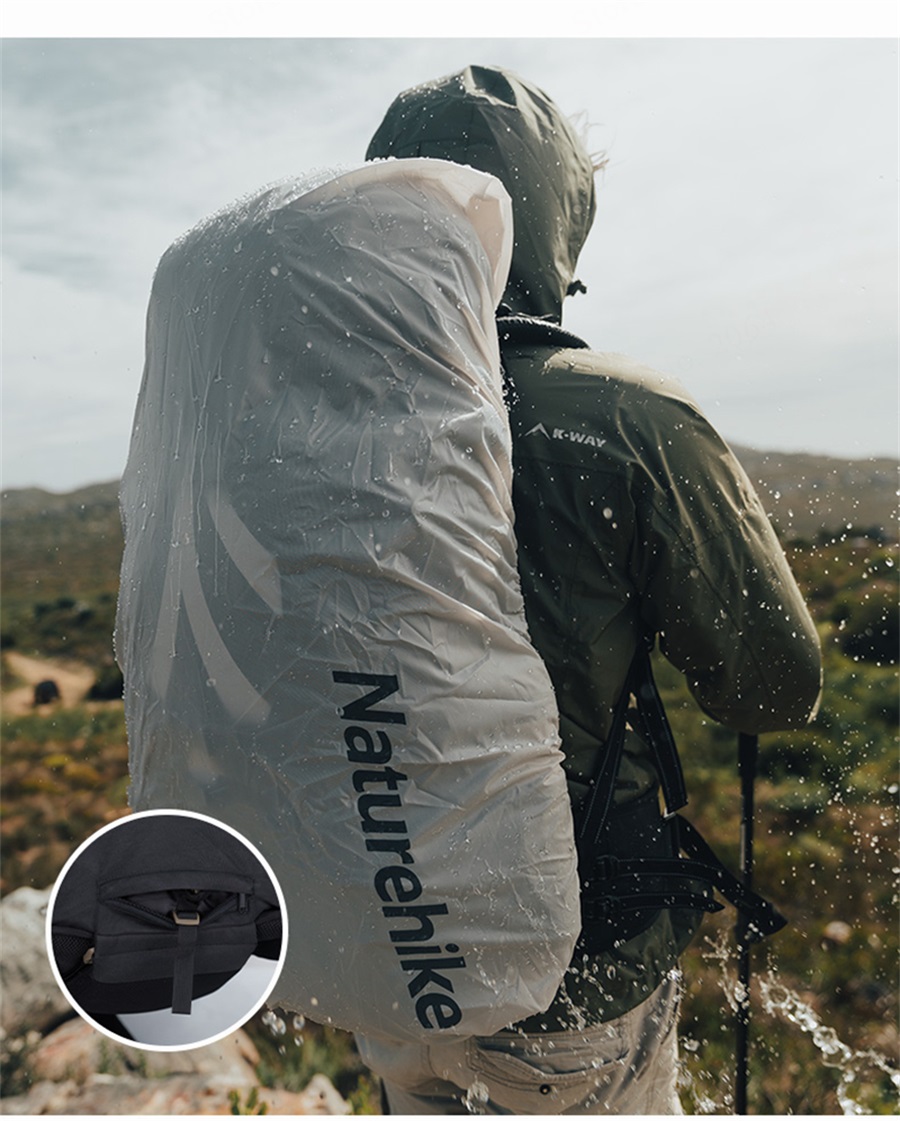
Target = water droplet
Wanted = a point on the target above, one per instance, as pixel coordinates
(274, 1023)
(477, 1097)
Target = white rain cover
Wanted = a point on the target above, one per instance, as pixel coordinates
(320, 621)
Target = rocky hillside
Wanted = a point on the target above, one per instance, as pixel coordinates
(810, 494)
(57, 1063)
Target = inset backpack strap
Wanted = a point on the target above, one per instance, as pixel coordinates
(188, 923)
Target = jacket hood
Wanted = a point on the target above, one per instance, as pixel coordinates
(497, 122)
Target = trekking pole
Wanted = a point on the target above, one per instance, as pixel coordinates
(748, 747)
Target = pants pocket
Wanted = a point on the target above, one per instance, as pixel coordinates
(550, 1075)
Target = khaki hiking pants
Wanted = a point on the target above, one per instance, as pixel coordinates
(626, 1066)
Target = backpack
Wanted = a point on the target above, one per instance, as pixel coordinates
(320, 622)
(635, 859)
(157, 911)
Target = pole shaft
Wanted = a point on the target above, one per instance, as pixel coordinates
(748, 747)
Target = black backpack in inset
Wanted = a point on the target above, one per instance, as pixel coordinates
(160, 910)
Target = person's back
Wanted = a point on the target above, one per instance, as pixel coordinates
(633, 519)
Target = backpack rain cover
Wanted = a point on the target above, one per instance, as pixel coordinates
(320, 621)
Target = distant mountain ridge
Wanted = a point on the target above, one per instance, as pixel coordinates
(30, 502)
(803, 493)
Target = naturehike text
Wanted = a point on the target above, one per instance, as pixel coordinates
(377, 786)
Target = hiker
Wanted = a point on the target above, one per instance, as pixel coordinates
(633, 519)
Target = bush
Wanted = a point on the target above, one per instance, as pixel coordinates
(871, 628)
(108, 685)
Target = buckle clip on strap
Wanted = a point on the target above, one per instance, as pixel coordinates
(188, 923)
(182, 919)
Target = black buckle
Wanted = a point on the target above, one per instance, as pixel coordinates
(607, 867)
(599, 908)
(186, 918)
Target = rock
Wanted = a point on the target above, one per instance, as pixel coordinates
(838, 933)
(177, 1094)
(320, 1096)
(232, 1060)
(32, 1000)
(78, 1070)
(45, 1097)
(75, 1051)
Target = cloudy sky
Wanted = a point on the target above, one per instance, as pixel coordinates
(746, 237)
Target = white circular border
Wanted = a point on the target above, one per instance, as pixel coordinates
(119, 823)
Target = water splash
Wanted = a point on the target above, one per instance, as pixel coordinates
(781, 1001)
(477, 1097)
(274, 1023)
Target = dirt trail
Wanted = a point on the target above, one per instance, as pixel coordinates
(72, 680)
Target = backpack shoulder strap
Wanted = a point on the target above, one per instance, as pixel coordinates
(632, 861)
(657, 732)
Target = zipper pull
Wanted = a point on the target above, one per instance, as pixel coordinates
(242, 902)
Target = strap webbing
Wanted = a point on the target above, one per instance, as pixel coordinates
(600, 797)
(622, 886)
(658, 734)
(763, 917)
(183, 973)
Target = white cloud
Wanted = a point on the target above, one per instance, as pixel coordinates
(740, 239)
(72, 363)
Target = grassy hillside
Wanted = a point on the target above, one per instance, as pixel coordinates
(60, 552)
(59, 572)
(825, 990)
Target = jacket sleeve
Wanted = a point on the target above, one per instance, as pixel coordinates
(715, 583)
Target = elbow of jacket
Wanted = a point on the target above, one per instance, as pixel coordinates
(785, 699)
(797, 695)
(815, 697)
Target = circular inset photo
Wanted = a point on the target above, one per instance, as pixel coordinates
(166, 929)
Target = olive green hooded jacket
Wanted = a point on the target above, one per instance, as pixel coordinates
(632, 514)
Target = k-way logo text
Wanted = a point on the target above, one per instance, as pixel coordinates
(569, 435)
